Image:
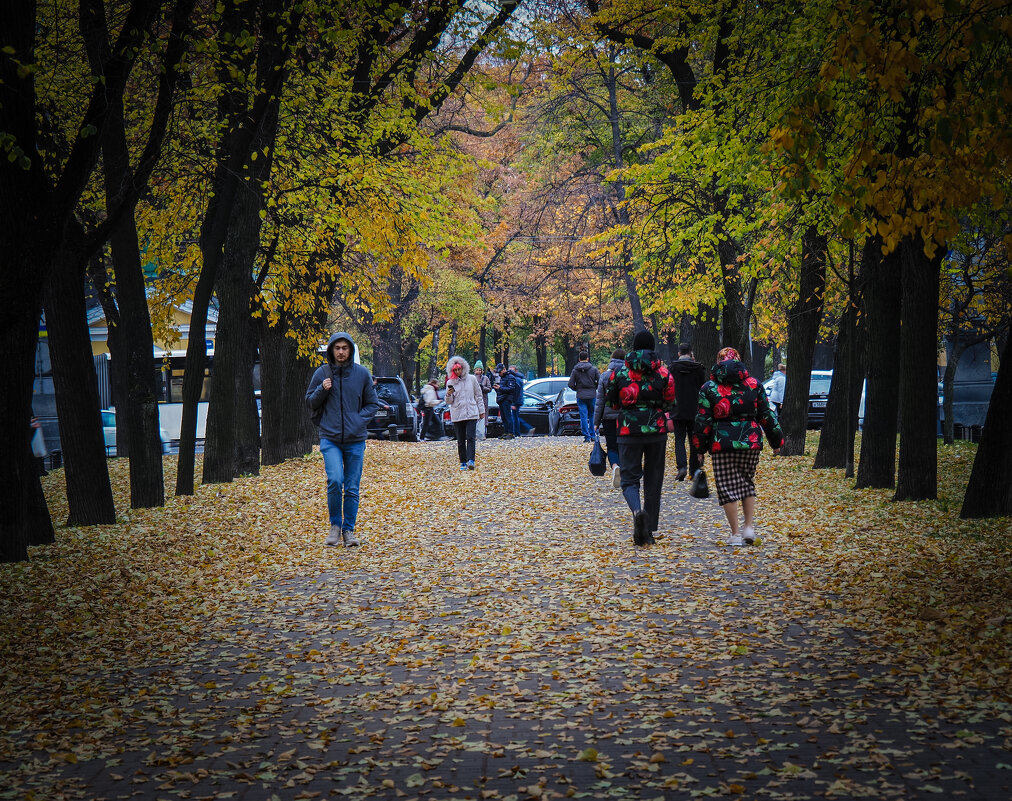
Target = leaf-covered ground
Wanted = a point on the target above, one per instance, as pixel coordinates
(499, 637)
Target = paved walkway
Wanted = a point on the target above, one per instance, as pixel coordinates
(489, 644)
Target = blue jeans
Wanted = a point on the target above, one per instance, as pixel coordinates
(344, 472)
(586, 407)
(520, 426)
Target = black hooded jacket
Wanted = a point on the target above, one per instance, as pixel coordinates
(689, 376)
(351, 402)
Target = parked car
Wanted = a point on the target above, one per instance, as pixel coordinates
(547, 387)
(109, 433)
(818, 393)
(564, 416)
(534, 411)
(396, 419)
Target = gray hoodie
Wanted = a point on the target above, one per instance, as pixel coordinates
(601, 409)
(351, 401)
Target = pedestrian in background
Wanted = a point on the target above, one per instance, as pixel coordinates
(733, 414)
(345, 393)
(486, 387)
(431, 428)
(605, 418)
(779, 379)
(584, 381)
(504, 389)
(521, 427)
(689, 376)
(39, 449)
(463, 395)
(642, 392)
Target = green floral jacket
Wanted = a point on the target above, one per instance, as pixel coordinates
(642, 391)
(734, 412)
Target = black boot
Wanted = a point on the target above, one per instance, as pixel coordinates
(641, 528)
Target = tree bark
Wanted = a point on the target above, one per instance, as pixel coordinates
(89, 492)
(227, 453)
(834, 448)
(802, 331)
(989, 492)
(288, 432)
(737, 309)
(917, 476)
(434, 359)
(706, 342)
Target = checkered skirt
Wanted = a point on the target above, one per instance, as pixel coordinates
(734, 474)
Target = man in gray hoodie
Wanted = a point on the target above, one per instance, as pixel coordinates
(583, 380)
(342, 400)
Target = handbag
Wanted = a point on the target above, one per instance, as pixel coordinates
(39, 445)
(699, 488)
(597, 459)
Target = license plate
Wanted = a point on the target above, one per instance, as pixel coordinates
(381, 413)
(818, 404)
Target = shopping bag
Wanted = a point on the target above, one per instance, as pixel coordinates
(699, 488)
(597, 461)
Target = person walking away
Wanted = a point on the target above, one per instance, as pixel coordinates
(584, 380)
(733, 414)
(642, 392)
(520, 426)
(430, 421)
(689, 376)
(486, 387)
(341, 395)
(463, 394)
(776, 395)
(605, 417)
(504, 387)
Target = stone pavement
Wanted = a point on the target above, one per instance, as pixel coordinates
(509, 647)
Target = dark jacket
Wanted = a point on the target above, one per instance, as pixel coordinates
(584, 380)
(602, 411)
(643, 392)
(734, 412)
(509, 392)
(351, 402)
(689, 376)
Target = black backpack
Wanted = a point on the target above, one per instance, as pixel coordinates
(316, 415)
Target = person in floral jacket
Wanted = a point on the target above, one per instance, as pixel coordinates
(733, 414)
(642, 392)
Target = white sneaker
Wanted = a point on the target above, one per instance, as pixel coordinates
(334, 537)
(748, 534)
(616, 477)
(736, 539)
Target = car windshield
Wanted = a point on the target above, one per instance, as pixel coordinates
(820, 385)
(390, 392)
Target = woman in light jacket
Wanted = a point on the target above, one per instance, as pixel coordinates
(463, 396)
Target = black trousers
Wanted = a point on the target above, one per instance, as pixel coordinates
(464, 430)
(643, 461)
(610, 431)
(683, 431)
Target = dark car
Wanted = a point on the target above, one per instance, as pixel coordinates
(564, 418)
(396, 417)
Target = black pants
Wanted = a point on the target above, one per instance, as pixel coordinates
(610, 432)
(465, 439)
(431, 426)
(683, 431)
(643, 460)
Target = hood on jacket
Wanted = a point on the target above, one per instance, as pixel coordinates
(730, 372)
(333, 339)
(583, 366)
(643, 361)
(457, 360)
(615, 364)
(684, 366)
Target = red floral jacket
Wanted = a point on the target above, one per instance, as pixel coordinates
(734, 412)
(642, 391)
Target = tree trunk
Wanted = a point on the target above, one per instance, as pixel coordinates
(737, 311)
(434, 360)
(917, 477)
(452, 350)
(541, 354)
(989, 493)
(288, 432)
(883, 295)
(226, 453)
(89, 492)
(758, 365)
(802, 331)
(948, 390)
(841, 411)
(706, 342)
(131, 344)
(482, 345)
